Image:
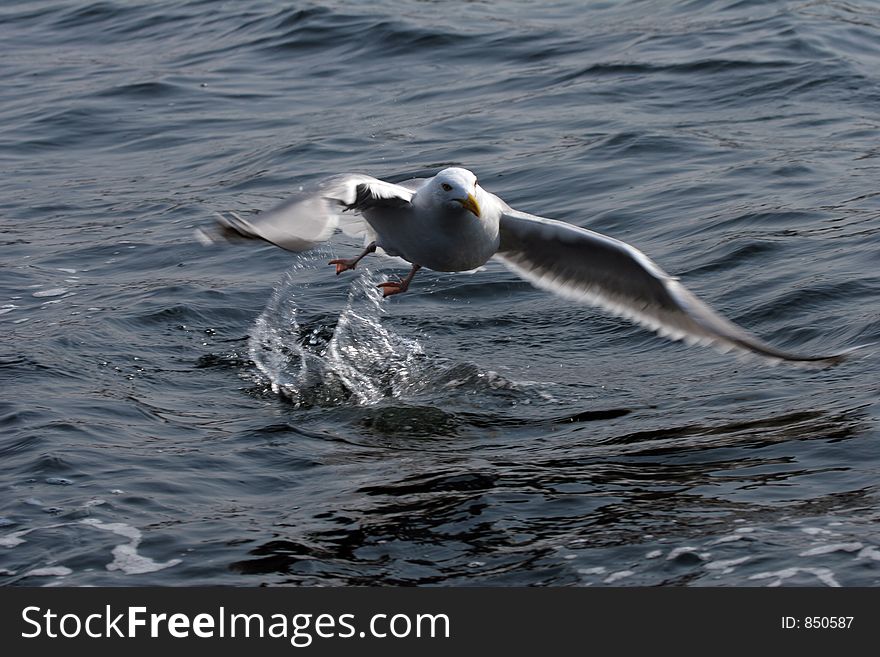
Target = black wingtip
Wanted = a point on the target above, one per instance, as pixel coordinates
(835, 359)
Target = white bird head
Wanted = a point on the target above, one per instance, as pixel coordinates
(457, 187)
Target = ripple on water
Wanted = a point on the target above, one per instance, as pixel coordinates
(733, 141)
(739, 557)
(126, 556)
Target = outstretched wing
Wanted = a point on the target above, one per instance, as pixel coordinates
(310, 217)
(586, 266)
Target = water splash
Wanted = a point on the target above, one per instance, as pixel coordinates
(314, 363)
(318, 358)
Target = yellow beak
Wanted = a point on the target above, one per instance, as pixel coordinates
(470, 203)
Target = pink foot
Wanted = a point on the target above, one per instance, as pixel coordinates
(393, 287)
(397, 287)
(344, 265)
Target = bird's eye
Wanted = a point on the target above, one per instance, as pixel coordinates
(446, 187)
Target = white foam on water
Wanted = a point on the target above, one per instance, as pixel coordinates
(726, 566)
(15, 538)
(816, 531)
(869, 552)
(597, 570)
(824, 575)
(728, 538)
(834, 547)
(674, 553)
(49, 571)
(738, 534)
(53, 292)
(125, 555)
(11, 540)
(620, 574)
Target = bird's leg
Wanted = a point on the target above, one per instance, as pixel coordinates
(350, 263)
(396, 287)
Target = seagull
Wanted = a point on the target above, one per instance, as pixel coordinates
(449, 223)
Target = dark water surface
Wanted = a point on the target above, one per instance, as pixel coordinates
(178, 415)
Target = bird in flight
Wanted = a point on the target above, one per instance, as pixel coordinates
(449, 223)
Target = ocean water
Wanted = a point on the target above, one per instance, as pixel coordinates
(179, 415)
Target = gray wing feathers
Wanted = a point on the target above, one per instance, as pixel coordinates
(310, 217)
(298, 224)
(585, 266)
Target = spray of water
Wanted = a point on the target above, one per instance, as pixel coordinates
(314, 363)
(320, 359)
